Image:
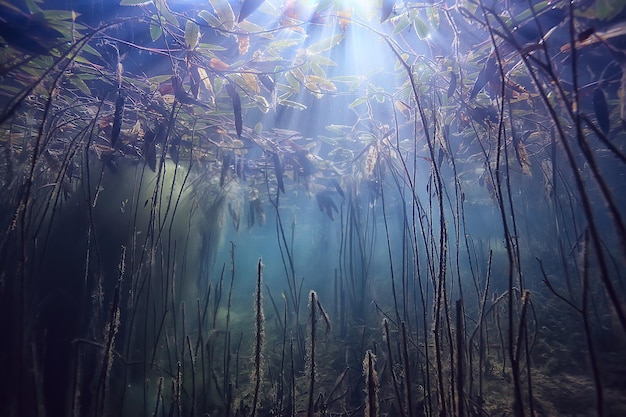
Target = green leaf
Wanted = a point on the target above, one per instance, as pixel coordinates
(91, 77)
(137, 83)
(59, 14)
(12, 90)
(250, 27)
(80, 84)
(218, 85)
(327, 140)
(293, 82)
(156, 31)
(317, 70)
(340, 130)
(210, 18)
(357, 102)
(224, 13)
(83, 60)
(325, 44)
(421, 29)
(32, 5)
(401, 23)
(134, 2)
(209, 47)
(158, 79)
(355, 86)
(527, 13)
(292, 104)
(65, 27)
(608, 9)
(91, 50)
(367, 137)
(192, 34)
(433, 17)
(279, 45)
(322, 60)
(346, 79)
(399, 63)
(161, 5)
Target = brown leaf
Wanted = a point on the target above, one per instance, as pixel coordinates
(244, 44)
(344, 19)
(218, 64)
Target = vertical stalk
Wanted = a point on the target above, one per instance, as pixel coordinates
(391, 366)
(371, 385)
(460, 342)
(260, 334)
(313, 318)
(407, 369)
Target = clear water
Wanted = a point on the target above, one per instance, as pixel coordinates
(326, 208)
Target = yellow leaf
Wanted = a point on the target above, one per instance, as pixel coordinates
(403, 108)
(313, 87)
(262, 104)
(323, 83)
(205, 79)
(248, 82)
(325, 44)
(252, 82)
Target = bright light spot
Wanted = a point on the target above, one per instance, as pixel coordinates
(358, 6)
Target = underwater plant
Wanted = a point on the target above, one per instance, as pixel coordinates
(452, 170)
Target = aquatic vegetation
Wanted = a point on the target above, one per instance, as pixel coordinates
(442, 179)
